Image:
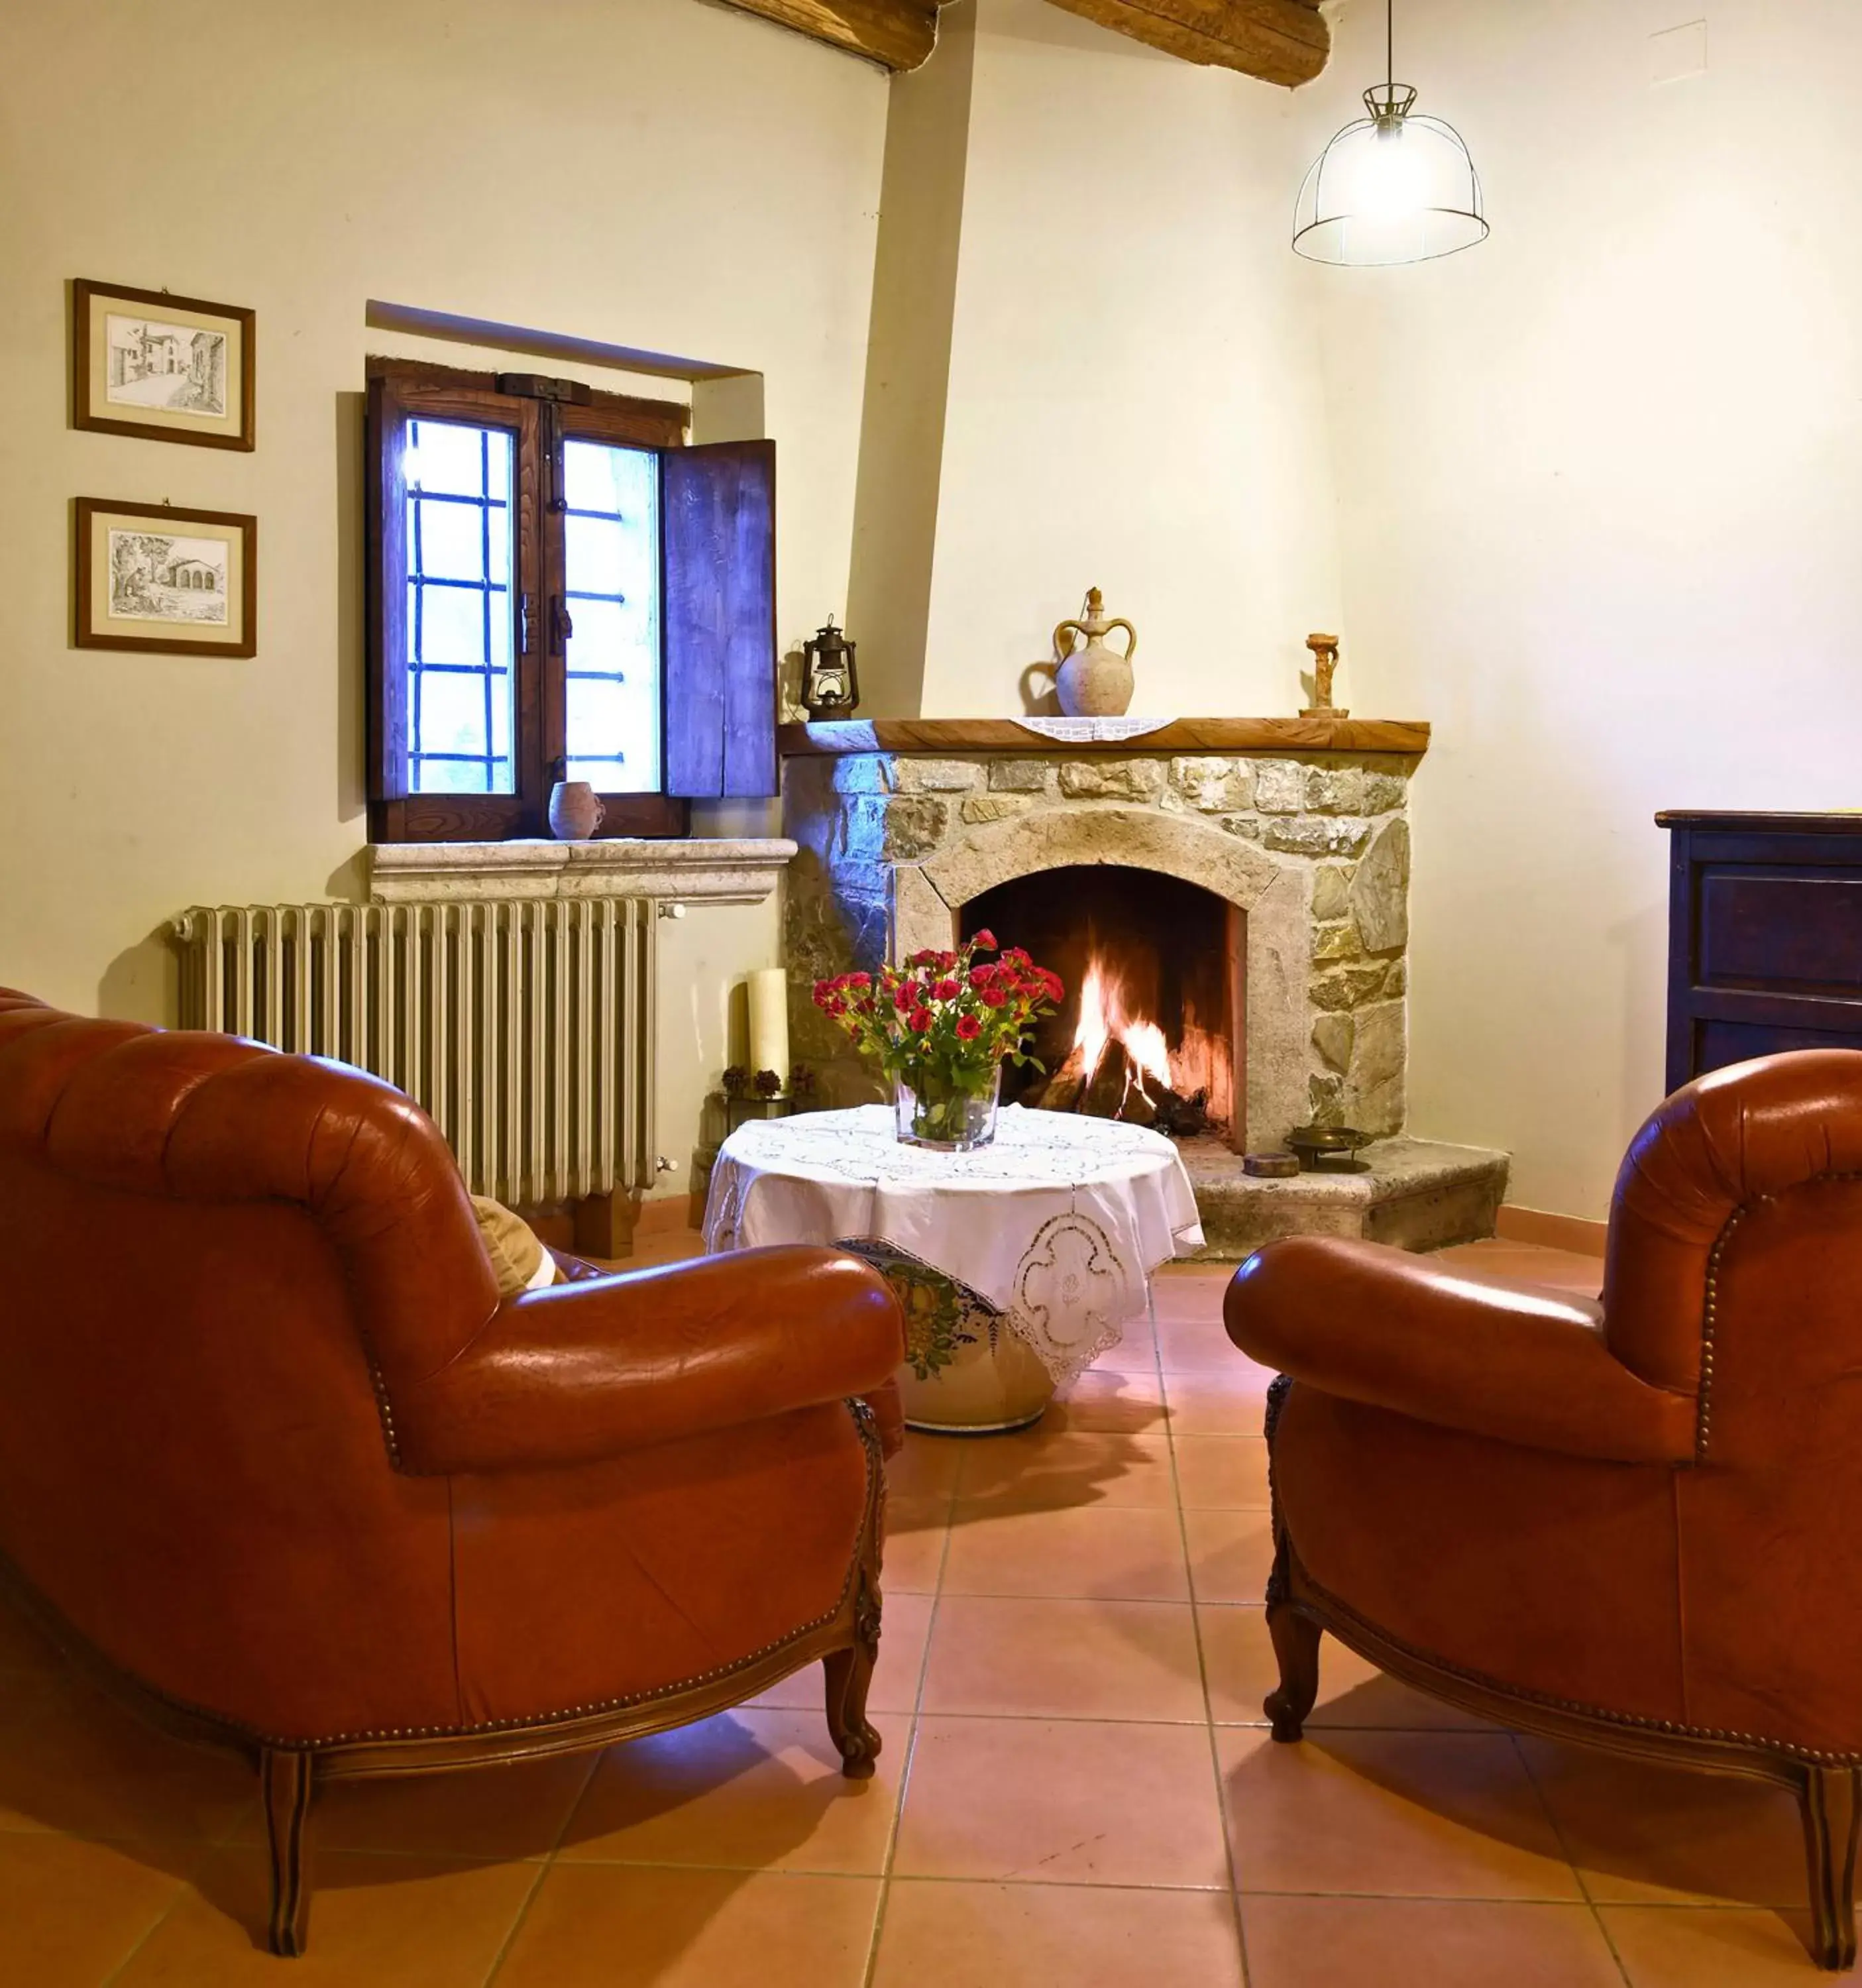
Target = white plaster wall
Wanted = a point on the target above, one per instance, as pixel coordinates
(1600, 484)
(658, 173)
(1134, 395)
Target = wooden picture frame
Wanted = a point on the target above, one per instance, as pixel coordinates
(164, 367)
(143, 569)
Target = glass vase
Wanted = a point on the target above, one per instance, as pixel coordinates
(951, 1117)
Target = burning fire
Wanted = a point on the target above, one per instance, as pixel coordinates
(1153, 1075)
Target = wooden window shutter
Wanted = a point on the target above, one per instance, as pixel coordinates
(717, 528)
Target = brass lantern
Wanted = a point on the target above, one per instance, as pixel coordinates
(831, 686)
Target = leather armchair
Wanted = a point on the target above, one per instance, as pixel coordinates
(1634, 1523)
(277, 1463)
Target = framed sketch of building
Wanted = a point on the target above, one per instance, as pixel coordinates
(174, 369)
(150, 577)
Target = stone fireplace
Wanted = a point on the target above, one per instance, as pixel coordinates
(1286, 842)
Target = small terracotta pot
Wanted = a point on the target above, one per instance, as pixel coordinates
(576, 811)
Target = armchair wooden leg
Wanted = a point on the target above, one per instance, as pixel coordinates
(1295, 1640)
(1830, 1799)
(286, 1783)
(849, 1676)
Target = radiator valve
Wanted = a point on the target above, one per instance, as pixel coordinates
(672, 911)
(663, 1165)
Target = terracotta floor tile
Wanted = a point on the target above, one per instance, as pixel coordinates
(1193, 1299)
(1126, 1401)
(1403, 1814)
(914, 1545)
(962, 1936)
(1222, 1473)
(1062, 1802)
(71, 1911)
(1229, 1401)
(906, 1630)
(1103, 1551)
(1670, 1947)
(375, 1922)
(1230, 1554)
(925, 1470)
(496, 1812)
(1068, 1467)
(1196, 1345)
(1423, 1943)
(1237, 1654)
(605, 1926)
(752, 1790)
(1059, 1659)
(74, 1761)
(1641, 1833)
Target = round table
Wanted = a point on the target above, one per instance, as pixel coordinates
(1018, 1264)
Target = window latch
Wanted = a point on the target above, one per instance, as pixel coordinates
(523, 623)
(561, 627)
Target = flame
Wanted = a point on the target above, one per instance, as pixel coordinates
(1095, 1029)
(1104, 1020)
(1200, 1062)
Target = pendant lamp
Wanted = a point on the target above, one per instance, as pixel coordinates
(1393, 187)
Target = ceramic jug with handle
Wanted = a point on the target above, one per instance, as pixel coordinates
(1096, 680)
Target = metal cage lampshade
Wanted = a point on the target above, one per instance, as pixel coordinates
(1393, 187)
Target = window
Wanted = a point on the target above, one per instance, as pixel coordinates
(560, 590)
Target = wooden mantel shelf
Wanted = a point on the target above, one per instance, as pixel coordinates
(955, 736)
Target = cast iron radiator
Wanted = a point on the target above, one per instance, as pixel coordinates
(523, 1026)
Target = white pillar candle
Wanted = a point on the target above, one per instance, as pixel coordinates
(769, 1023)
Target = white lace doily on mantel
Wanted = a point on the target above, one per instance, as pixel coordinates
(1058, 1223)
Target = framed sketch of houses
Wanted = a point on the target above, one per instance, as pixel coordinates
(173, 369)
(181, 582)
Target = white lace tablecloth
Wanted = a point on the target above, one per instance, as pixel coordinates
(1058, 1224)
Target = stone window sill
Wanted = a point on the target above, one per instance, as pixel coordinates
(695, 869)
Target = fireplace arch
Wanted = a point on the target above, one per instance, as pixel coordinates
(1273, 896)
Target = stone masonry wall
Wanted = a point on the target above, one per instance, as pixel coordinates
(1315, 850)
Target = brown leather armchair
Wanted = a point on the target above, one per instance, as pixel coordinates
(1636, 1523)
(276, 1462)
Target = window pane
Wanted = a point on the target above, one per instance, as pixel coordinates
(459, 637)
(611, 551)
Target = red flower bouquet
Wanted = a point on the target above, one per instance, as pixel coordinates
(940, 1027)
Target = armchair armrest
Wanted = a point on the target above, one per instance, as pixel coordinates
(581, 1371)
(1377, 1325)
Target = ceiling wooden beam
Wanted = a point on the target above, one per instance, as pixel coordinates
(1279, 41)
(899, 33)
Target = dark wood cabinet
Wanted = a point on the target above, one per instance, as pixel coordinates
(1765, 936)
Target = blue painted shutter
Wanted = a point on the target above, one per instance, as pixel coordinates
(718, 524)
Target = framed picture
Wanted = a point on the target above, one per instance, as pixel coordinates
(173, 369)
(182, 583)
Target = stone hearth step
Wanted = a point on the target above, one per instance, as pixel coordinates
(1418, 1193)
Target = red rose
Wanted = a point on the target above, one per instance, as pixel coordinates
(920, 1019)
(986, 939)
(984, 976)
(1056, 987)
(994, 997)
(944, 961)
(1015, 956)
(946, 990)
(859, 980)
(968, 1028)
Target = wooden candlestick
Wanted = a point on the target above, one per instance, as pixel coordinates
(1325, 661)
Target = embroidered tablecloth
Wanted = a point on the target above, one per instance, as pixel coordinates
(1056, 1226)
